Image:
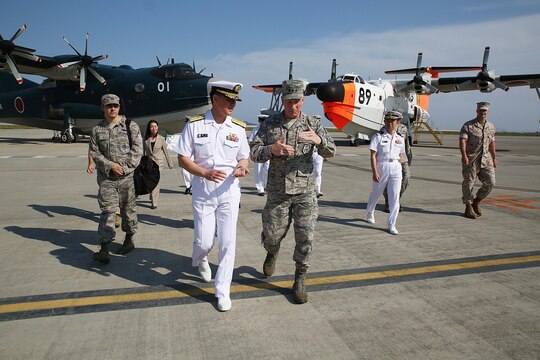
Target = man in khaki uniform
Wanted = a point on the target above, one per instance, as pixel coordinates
(477, 146)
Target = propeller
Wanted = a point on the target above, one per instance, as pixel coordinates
(85, 63)
(8, 49)
(484, 77)
(418, 79)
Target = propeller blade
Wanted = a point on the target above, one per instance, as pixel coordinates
(431, 88)
(26, 55)
(334, 70)
(418, 63)
(500, 85)
(18, 33)
(97, 76)
(68, 64)
(86, 46)
(290, 70)
(66, 40)
(14, 69)
(100, 57)
(82, 79)
(485, 60)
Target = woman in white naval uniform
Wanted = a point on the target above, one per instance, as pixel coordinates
(387, 153)
(218, 144)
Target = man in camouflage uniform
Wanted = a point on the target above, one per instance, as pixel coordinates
(405, 167)
(287, 139)
(477, 146)
(115, 162)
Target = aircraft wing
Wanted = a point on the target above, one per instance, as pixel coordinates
(310, 88)
(469, 82)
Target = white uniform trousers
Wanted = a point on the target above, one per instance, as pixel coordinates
(210, 209)
(186, 176)
(391, 176)
(261, 176)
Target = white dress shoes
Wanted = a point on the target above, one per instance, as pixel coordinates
(205, 271)
(370, 217)
(392, 229)
(224, 303)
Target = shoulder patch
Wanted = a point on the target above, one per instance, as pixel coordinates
(239, 122)
(194, 118)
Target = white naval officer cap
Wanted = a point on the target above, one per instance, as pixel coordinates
(393, 115)
(228, 88)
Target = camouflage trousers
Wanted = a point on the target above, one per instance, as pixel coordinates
(111, 195)
(470, 173)
(406, 173)
(280, 210)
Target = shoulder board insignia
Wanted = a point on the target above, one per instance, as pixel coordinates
(239, 122)
(194, 118)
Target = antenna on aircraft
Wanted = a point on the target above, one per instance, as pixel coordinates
(290, 70)
(159, 62)
(334, 69)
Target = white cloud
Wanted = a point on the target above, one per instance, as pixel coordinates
(514, 50)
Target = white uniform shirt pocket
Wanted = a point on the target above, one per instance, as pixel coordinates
(231, 148)
(203, 147)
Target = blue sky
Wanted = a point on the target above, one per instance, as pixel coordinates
(252, 42)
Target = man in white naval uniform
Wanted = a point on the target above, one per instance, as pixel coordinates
(387, 149)
(261, 169)
(218, 146)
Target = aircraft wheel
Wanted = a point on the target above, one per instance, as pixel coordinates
(66, 137)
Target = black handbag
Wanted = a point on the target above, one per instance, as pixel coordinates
(146, 175)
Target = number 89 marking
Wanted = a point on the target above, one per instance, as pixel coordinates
(364, 96)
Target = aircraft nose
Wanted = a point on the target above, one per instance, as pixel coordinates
(331, 92)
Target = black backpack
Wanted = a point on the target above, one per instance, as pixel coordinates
(146, 175)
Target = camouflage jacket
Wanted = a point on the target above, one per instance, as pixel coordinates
(478, 138)
(111, 145)
(290, 175)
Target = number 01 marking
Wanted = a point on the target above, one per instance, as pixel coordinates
(163, 87)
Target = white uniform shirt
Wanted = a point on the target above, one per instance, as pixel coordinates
(387, 148)
(213, 146)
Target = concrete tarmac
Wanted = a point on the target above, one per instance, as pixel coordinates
(446, 287)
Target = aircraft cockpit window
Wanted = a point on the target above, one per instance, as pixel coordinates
(352, 78)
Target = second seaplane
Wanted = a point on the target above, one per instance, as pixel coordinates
(356, 106)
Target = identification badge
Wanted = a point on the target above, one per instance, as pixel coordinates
(202, 135)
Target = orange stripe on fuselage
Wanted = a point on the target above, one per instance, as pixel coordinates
(423, 101)
(341, 113)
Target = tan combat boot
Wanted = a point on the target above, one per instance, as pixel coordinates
(299, 290)
(469, 212)
(269, 265)
(476, 206)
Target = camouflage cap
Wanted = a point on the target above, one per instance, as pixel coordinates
(292, 90)
(110, 99)
(392, 115)
(482, 105)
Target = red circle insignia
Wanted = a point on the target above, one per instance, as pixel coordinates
(19, 104)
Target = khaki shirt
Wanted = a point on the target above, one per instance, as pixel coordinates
(478, 138)
(290, 175)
